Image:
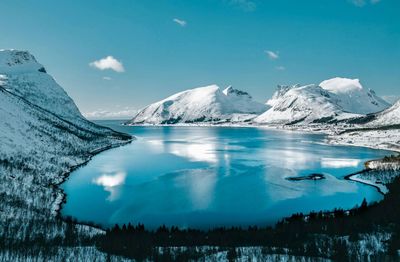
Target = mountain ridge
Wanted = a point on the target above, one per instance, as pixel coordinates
(202, 104)
(335, 100)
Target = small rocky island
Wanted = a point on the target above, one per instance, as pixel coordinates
(308, 177)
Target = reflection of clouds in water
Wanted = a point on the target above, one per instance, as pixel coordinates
(201, 149)
(291, 158)
(110, 180)
(110, 183)
(201, 187)
(195, 152)
(339, 162)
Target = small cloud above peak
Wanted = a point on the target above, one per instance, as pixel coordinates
(361, 3)
(108, 62)
(272, 55)
(245, 5)
(180, 22)
(107, 78)
(280, 68)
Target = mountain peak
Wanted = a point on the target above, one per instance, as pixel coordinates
(228, 90)
(17, 61)
(22, 75)
(352, 97)
(232, 91)
(199, 105)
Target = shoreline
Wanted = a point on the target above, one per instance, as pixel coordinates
(61, 198)
(350, 177)
(287, 128)
(333, 142)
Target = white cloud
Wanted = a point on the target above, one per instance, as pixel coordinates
(280, 68)
(107, 78)
(272, 55)
(180, 22)
(125, 113)
(361, 3)
(358, 2)
(245, 5)
(108, 62)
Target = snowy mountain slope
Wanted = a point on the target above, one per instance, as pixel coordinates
(22, 75)
(16, 61)
(389, 117)
(352, 97)
(203, 104)
(302, 104)
(333, 100)
(380, 130)
(27, 130)
(42, 136)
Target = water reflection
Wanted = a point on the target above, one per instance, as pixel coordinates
(201, 186)
(205, 177)
(110, 183)
(339, 162)
(194, 151)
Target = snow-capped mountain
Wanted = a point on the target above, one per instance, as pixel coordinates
(333, 100)
(42, 136)
(203, 104)
(35, 110)
(352, 97)
(22, 75)
(301, 104)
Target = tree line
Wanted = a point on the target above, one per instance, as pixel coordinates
(317, 234)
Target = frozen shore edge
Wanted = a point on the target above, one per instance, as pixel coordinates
(61, 195)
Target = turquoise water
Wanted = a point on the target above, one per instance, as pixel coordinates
(204, 177)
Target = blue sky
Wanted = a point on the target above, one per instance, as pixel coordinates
(168, 46)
